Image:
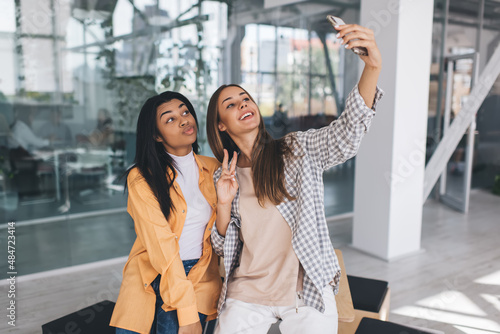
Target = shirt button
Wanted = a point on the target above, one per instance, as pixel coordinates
(176, 237)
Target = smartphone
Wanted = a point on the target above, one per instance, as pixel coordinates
(337, 21)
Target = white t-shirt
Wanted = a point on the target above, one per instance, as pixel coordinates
(23, 136)
(198, 209)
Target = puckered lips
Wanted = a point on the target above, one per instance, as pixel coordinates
(189, 130)
(246, 115)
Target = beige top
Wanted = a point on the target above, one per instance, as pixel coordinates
(269, 269)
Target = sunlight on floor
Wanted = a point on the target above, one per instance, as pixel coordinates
(464, 322)
(453, 301)
(492, 279)
(467, 330)
(492, 299)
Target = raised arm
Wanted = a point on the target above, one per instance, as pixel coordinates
(373, 62)
(340, 140)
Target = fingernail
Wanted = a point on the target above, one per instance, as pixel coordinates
(346, 46)
(337, 26)
(338, 35)
(341, 41)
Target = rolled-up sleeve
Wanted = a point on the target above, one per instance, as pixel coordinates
(217, 241)
(162, 246)
(339, 141)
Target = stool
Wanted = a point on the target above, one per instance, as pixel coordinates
(371, 299)
(374, 326)
(93, 319)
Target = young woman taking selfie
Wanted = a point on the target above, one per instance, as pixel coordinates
(271, 227)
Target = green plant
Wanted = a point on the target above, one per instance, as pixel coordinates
(496, 185)
(129, 94)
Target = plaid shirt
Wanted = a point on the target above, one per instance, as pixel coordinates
(314, 151)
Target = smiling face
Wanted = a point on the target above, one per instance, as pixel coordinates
(238, 113)
(176, 127)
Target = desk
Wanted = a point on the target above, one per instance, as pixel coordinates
(85, 158)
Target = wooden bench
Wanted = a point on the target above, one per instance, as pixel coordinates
(345, 307)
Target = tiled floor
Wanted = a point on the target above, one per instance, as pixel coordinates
(452, 286)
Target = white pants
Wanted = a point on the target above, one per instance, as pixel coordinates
(246, 318)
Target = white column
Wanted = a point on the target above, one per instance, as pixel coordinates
(390, 163)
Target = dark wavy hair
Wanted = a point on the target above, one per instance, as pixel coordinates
(151, 158)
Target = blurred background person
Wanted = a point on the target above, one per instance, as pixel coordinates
(280, 122)
(103, 135)
(56, 130)
(22, 135)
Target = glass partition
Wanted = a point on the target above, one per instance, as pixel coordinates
(75, 74)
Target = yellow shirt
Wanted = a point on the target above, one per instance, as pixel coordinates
(156, 251)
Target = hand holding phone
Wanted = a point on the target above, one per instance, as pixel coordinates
(337, 21)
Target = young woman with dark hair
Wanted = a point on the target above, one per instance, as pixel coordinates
(171, 280)
(271, 226)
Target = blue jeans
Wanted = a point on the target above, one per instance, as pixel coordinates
(166, 322)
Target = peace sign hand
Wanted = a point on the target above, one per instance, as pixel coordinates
(227, 184)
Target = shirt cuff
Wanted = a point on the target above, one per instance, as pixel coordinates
(188, 315)
(379, 93)
(219, 239)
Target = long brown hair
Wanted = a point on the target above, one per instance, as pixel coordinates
(268, 154)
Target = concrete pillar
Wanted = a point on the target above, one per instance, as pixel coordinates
(390, 164)
(232, 54)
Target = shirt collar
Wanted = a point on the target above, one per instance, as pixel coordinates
(200, 162)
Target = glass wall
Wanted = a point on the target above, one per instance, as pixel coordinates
(287, 66)
(74, 75)
(464, 36)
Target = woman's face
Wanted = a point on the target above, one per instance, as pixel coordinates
(176, 127)
(238, 113)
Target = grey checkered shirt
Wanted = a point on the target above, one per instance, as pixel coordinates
(314, 151)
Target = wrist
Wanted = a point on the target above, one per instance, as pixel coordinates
(224, 205)
(374, 69)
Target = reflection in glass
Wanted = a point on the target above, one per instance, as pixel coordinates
(79, 74)
(75, 82)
